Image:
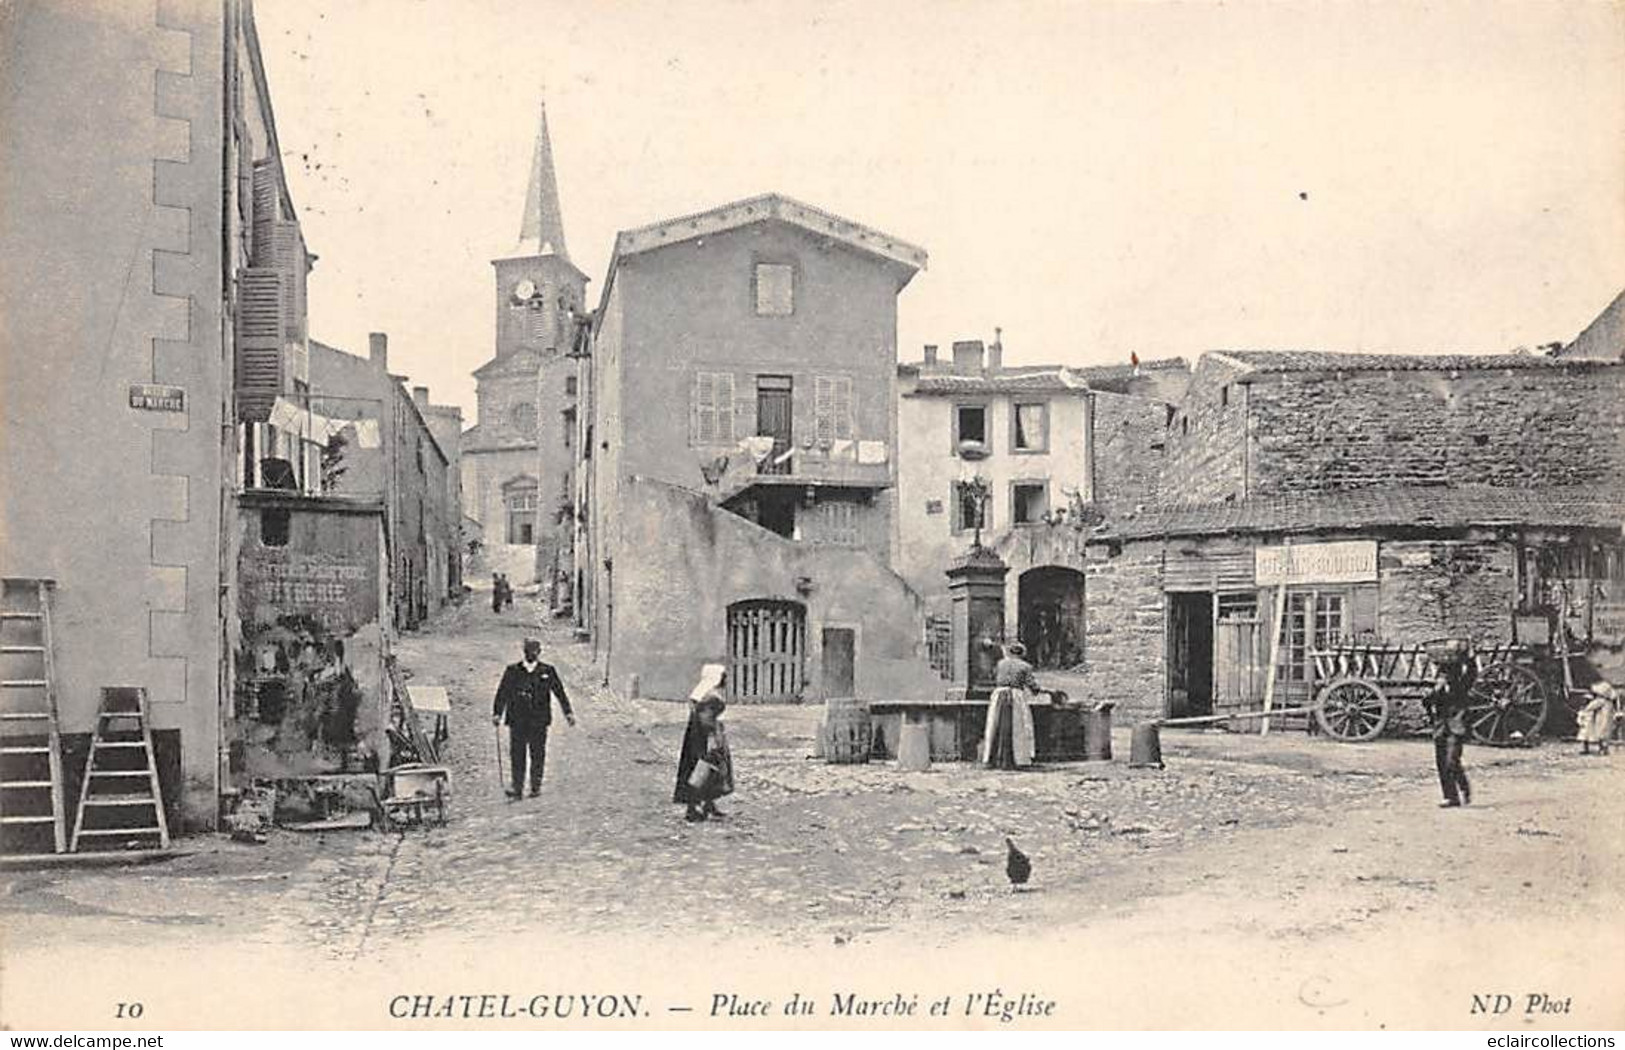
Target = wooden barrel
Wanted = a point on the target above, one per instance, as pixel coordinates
(848, 732)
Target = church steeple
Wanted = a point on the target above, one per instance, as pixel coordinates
(542, 230)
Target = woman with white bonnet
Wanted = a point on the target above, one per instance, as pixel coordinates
(1596, 718)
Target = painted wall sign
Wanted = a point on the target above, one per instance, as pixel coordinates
(1352, 561)
(1608, 621)
(157, 398)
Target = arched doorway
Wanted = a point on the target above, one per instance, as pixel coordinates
(767, 650)
(1049, 616)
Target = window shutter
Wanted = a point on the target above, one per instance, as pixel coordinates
(705, 409)
(288, 252)
(267, 209)
(259, 342)
(824, 408)
(842, 407)
(725, 408)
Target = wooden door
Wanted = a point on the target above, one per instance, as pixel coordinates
(767, 643)
(840, 653)
(773, 419)
(1239, 653)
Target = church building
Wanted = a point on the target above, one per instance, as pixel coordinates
(516, 460)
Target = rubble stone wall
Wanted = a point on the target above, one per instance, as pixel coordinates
(1520, 427)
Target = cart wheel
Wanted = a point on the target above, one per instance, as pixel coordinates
(1506, 699)
(1352, 709)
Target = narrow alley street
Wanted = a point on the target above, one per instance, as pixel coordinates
(1307, 850)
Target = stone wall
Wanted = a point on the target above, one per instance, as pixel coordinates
(1130, 439)
(681, 562)
(1518, 427)
(1125, 647)
(1446, 588)
(1207, 437)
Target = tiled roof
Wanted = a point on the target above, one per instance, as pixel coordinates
(1046, 381)
(1415, 506)
(769, 206)
(1327, 361)
(1129, 371)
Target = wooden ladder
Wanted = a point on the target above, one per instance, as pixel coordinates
(31, 797)
(129, 814)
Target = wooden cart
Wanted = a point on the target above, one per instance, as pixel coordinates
(1366, 682)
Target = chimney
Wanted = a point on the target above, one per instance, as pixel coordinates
(968, 356)
(995, 353)
(930, 354)
(420, 397)
(378, 350)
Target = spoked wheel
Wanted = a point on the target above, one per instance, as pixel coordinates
(1506, 701)
(1352, 709)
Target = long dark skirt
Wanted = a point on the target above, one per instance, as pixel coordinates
(713, 747)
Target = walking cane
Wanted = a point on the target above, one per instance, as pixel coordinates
(502, 777)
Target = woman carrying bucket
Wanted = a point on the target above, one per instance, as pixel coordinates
(705, 770)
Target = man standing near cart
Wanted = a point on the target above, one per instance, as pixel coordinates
(525, 700)
(1447, 707)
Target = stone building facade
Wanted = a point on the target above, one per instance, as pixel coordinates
(517, 460)
(1051, 442)
(407, 469)
(1480, 492)
(145, 223)
(741, 385)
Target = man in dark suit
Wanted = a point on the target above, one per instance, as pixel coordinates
(525, 698)
(1447, 705)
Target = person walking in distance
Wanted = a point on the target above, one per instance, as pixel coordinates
(525, 700)
(1446, 705)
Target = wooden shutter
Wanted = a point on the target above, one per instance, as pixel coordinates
(267, 210)
(725, 407)
(288, 257)
(841, 406)
(260, 378)
(823, 408)
(705, 409)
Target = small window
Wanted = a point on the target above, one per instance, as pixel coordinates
(1185, 425)
(970, 423)
(775, 289)
(1030, 423)
(965, 511)
(1030, 502)
(274, 526)
(1224, 396)
(570, 386)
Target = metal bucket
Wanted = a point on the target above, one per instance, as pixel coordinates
(1097, 734)
(1145, 749)
(914, 747)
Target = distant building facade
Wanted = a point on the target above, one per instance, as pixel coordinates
(1032, 435)
(408, 469)
(516, 461)
(737, 462)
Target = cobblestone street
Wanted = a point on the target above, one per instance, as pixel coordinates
(1290, 841)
